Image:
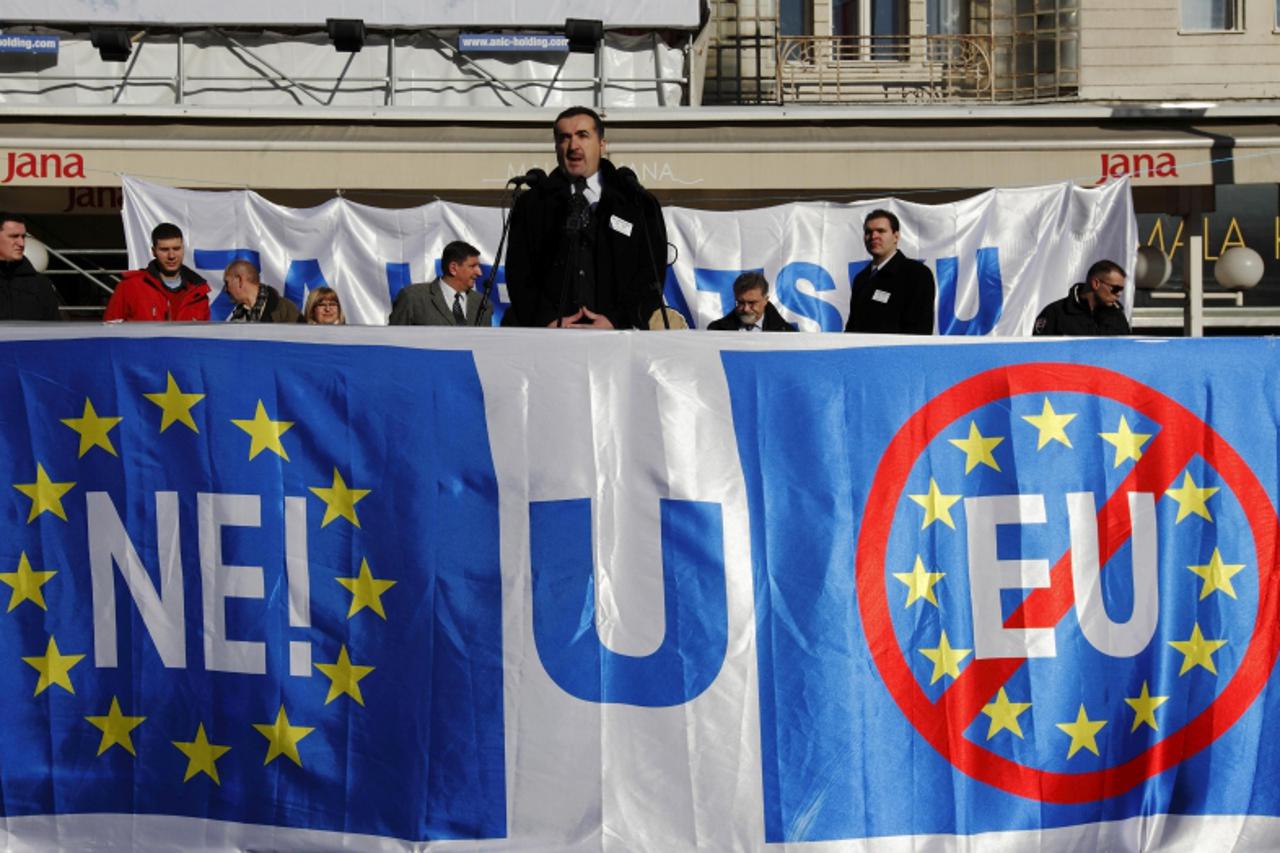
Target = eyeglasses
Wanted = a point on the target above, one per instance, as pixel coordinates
(326, 305)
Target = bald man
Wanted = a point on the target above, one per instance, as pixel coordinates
(255, 302)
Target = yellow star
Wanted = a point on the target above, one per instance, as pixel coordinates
(175, 405)
(265, 432)
(1004, 715)
(946, 660)
(977, 448)
(344, 677)
(920, 583)
(93, 430)
(115, 728)
(26, 584)
(1197, 651)
(339, 500)
(1128, 444)
(1052, 426)
(1217, 575)
(1191, 498)
(1144, 708)
(202, 756)
(283, 738)
(54, 668)
(1083, 733)
(46, 495)
(937, 506)
(366, 591)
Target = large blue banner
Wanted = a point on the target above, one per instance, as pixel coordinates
(1060, 608)
(369, 588)
(256, 583)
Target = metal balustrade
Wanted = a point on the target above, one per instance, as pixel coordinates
(842, 69)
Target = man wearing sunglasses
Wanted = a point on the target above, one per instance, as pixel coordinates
(1091, 308)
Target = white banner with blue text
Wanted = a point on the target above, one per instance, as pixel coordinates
(998, 258)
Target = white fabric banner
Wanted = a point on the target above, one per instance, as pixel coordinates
(426, 73)
(392, 13)
(998, 257)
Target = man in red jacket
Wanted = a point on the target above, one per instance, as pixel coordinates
(166, 289)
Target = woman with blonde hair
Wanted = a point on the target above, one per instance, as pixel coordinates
(323, 308)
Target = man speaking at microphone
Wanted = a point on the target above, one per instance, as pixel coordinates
(588, 244)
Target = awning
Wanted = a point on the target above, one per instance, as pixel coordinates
(678, 156)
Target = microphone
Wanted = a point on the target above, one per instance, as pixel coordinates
(530, 179)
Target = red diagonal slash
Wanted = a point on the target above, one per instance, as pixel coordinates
(943, 722)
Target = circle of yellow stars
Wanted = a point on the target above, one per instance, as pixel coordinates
(54, 667)
(921, 582)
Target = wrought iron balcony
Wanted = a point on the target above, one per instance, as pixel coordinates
(846, 69)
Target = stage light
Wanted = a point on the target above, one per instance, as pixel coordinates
(347, 34)
(113, 43)
(584, 35)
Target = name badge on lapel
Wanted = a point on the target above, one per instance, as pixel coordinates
(880, 296)
(622, 226)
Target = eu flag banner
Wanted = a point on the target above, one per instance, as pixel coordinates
(362, 588)
(253, 583)
(1060, 609)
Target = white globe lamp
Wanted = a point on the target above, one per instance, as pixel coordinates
(1239, 268)
(1152, 269)
(36, 252)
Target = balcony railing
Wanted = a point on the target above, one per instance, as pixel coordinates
(843, 69)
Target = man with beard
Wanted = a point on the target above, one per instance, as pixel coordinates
(752, 310)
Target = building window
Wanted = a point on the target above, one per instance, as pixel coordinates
(795, 17)
(869, 17)
(951, 17)
(1211, 15)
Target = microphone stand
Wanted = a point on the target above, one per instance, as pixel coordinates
(497, 261)
(629, 178)
(529, 180)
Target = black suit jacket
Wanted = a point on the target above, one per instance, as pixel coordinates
(773, 322)
(899, 299)
(630, 241)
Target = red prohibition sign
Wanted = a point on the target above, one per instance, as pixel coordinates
(942, 722)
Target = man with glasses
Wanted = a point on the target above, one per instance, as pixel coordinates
(752, 311)
(1090, 308)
